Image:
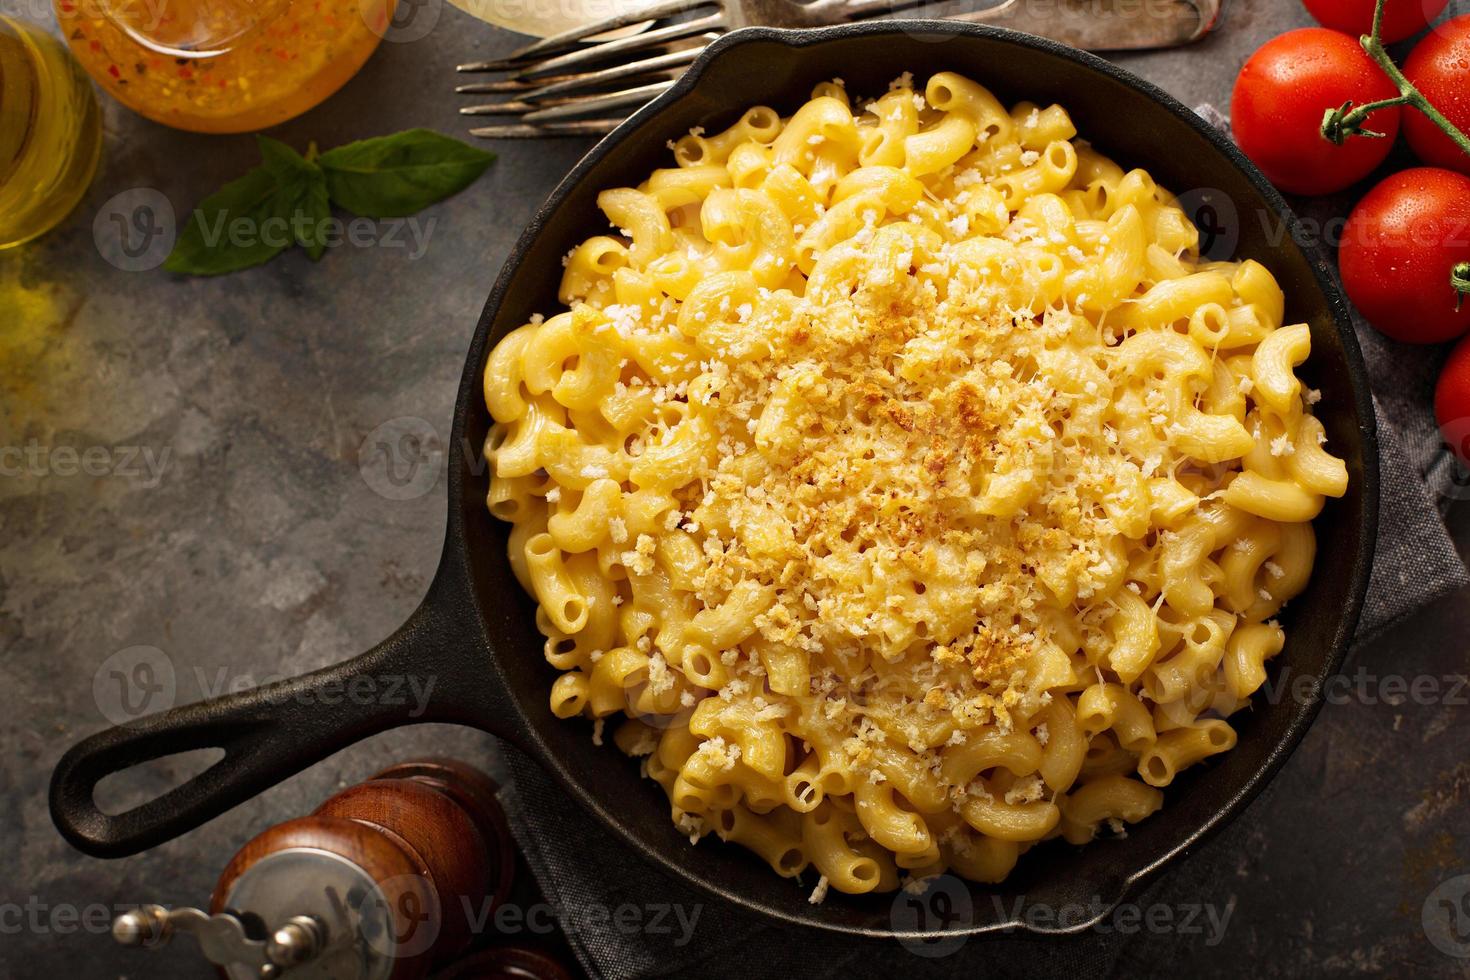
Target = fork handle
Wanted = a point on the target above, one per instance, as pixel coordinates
(1093, 25)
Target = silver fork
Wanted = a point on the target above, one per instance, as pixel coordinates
(578, 83)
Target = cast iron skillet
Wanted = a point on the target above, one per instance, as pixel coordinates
(474, 635)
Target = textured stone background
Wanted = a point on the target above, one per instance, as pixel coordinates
(264, 550)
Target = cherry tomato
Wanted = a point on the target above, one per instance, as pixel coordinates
(1439, 67)
(1399, 247)
(1400, 17)
(1281, 95)
(1452, 401)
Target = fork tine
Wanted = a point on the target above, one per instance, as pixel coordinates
(578, 104)
(474, 67)
(576, 83)
(513, 85)
(636, 43)
(595, 103)
(513, 108)
(533, 101)
(568, 39)
(514, 131)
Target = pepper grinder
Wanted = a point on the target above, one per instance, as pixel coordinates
(382, 882)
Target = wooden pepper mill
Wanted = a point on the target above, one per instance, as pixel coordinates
(385, 881)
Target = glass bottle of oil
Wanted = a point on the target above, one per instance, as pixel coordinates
(50, 132)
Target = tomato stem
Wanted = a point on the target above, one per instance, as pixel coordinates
(1347, 120)
(1460, 280)
(1340, 123)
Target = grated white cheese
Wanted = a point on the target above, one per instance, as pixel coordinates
(819, 893)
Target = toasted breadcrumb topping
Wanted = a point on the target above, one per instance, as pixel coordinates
(899, 464)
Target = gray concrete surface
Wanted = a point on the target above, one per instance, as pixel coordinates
(262, 548)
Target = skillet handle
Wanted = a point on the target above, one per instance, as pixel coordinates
(425, 672)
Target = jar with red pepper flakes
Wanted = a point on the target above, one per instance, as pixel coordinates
(223, 66)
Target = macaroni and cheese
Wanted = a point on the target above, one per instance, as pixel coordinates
(905, 483)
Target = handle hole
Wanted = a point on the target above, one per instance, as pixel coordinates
(126, 790)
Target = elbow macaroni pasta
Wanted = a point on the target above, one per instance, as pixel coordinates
(908, 482)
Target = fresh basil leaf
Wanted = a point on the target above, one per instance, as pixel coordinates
(311, 210)
(284, 163)
(243, 224)
(288, 198)
(312, 217)
(395, 176)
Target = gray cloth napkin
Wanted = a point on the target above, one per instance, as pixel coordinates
(581, 866)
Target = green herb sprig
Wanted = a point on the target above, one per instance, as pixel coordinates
(288, 199)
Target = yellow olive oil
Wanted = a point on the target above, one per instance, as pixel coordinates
(50, 132)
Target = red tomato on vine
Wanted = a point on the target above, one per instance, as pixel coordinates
(1281, 95)
(1401, 18)
(1439, 67)
(1405, 247)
